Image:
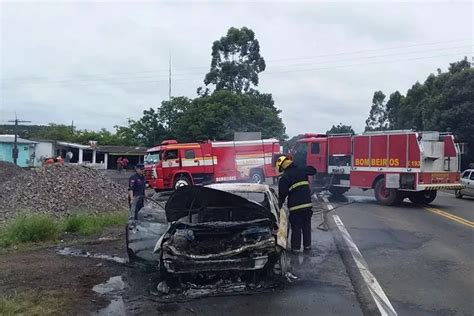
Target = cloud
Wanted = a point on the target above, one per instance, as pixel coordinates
(103, 62)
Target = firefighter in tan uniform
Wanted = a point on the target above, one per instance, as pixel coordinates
(294, 184)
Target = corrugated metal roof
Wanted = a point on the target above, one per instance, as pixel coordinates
(124, 150)
(11, 139)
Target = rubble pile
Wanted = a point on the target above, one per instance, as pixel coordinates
(60, 190)
(8, 171)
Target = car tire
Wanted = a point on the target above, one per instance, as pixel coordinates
(256, 176)
(181, 181)
(278, 265)
(458, 194)
(383, 195)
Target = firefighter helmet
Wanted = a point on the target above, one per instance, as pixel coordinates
(282, 163)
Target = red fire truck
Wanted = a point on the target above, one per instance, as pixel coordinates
(396, 164)
(171, 165)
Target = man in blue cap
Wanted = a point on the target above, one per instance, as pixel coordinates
(136, 188)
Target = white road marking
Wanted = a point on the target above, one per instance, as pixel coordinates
(382, 301)
(328, 205)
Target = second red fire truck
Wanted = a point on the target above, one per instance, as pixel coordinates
(171, 164)
(396, 164)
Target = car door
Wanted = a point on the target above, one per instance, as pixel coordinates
(464, 180)
(470, 184)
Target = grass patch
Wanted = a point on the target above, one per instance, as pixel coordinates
(86, 224)
(35, 228)
(13, 305)
(43, 228)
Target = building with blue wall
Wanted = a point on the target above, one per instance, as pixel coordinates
(26, 150)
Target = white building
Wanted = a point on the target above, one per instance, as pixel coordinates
(98, 157)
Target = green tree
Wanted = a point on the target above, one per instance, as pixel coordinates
(147, 131)
(234, 105)
(393, 110)
(57, 132)
(219, 115)
(341, 129)
(236, 61)
(170, 112)
(377, 120)
(444, 101)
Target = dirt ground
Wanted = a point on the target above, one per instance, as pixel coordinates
(63, 283)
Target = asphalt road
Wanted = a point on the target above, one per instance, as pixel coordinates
(422, 256)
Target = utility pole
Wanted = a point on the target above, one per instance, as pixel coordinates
(169, 84)
(15, 143)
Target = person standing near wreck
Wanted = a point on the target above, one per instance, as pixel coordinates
(294, 184)
(136, 188)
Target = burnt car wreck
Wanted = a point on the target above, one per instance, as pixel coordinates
(216, 228)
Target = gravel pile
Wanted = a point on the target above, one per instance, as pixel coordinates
(60, 190)
(8, 170)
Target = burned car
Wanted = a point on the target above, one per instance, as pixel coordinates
(223, 227)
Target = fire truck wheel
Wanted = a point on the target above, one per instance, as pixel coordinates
(181, 182)
(257, 176)
(424, 197)
(338, 191)
(383, 195)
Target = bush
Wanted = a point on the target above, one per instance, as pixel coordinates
(33, 228)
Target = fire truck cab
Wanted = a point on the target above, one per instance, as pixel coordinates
(171, 164)
(396, 164)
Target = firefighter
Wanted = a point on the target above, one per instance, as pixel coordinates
(294, 184)
(136, 188)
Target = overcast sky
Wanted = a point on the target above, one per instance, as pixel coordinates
(99, 63)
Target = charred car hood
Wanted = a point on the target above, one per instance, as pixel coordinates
(193, 199)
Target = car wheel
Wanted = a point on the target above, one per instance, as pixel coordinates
(384, 195)
(279, 265)
(181, 182)
(458, 194)
(257, 176)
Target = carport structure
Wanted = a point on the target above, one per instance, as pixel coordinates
(109, 154)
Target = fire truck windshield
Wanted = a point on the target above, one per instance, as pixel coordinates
(152, 157)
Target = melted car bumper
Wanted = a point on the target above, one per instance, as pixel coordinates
(174, 265)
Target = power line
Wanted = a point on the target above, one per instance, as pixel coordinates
(377, 56)
(364, 64)
(164, 70)
(376, 49)
(266, 73)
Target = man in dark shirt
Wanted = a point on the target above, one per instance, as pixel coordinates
(136, 188)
